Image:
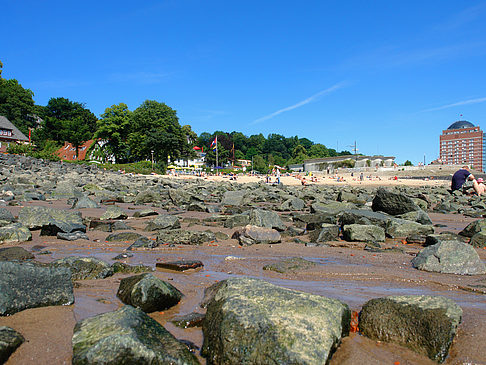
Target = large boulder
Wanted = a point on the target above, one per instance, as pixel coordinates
(127, 336)
(331, 207)
(250, 235)
(267, 219)
(425, 324)
(363, 233)
(84, 268)
(393, 203)
(479, 239)
(403, 228)
(51, 221)
(15, 232)
(148, 293)
(123, 236)
(290, 265)
(250, 321)
(450, 257)
(9, 341)
(28, 285)
(183, 237)
(163, 222)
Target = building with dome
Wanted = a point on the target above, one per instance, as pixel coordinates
(463, 143)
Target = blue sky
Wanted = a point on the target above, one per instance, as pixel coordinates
(390, 75)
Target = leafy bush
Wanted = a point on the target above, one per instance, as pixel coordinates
(141, 167)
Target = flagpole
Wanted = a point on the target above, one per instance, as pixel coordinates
(217, 151)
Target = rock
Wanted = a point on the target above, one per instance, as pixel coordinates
(417, 239)
(104, 226)
(328, 232)
(392, 203)
(250, 321)
(479, 239)
(291, 264)
(163, 222)
(84, 268)
(237, 220)
(425, 324)
(267, 219)
(314, 221)
(6, 216)
(220, 236)
(189, 320)
(123, 236)
(130, 269)
(196, 207)
(366, 217)
(145, 213)
(183, 237)
(15, 254)
(148, 293)
(148, 196)
(331, 207)
(143, 242)
(114, 212)
(10, 340)
(15, 232)
(418, 216)
(402, 228)
(83, 203)
(293, 204)
(473, 228)
(180, 265)
(28, 285)
(344, 196)
(450, 257)
(73, 236)
(363, 233)
(126, 336)
(120, 226)
(432, 239)
(250, 235)
(123, 256)
(236, 198)
(51, 221)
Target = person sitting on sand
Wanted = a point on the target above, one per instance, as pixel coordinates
(481, 186)
(460, 179)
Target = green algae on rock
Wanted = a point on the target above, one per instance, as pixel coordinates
(127, 336)
(250, 321)
(425, 324)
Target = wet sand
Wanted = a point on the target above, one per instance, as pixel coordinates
(344, 271)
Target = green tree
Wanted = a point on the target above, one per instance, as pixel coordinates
(17, 104)
(318, 151)
(66, 120)
(114, 127)
(259, 164)
(156, 128)
(299, 150)
(408, 163)
(223, 155)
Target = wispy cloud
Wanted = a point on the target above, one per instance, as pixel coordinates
(139, 77)
(310, 99)
(459, 103)
(463, 18)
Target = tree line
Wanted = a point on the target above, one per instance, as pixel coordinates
(152, 128)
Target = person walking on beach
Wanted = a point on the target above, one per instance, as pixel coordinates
(460, 178)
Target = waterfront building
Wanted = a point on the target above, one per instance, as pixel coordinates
(463, 143)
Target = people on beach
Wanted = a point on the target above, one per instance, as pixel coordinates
(460, 179)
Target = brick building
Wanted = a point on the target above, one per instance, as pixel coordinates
(463, 144)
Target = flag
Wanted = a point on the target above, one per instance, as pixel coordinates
(214, 144)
